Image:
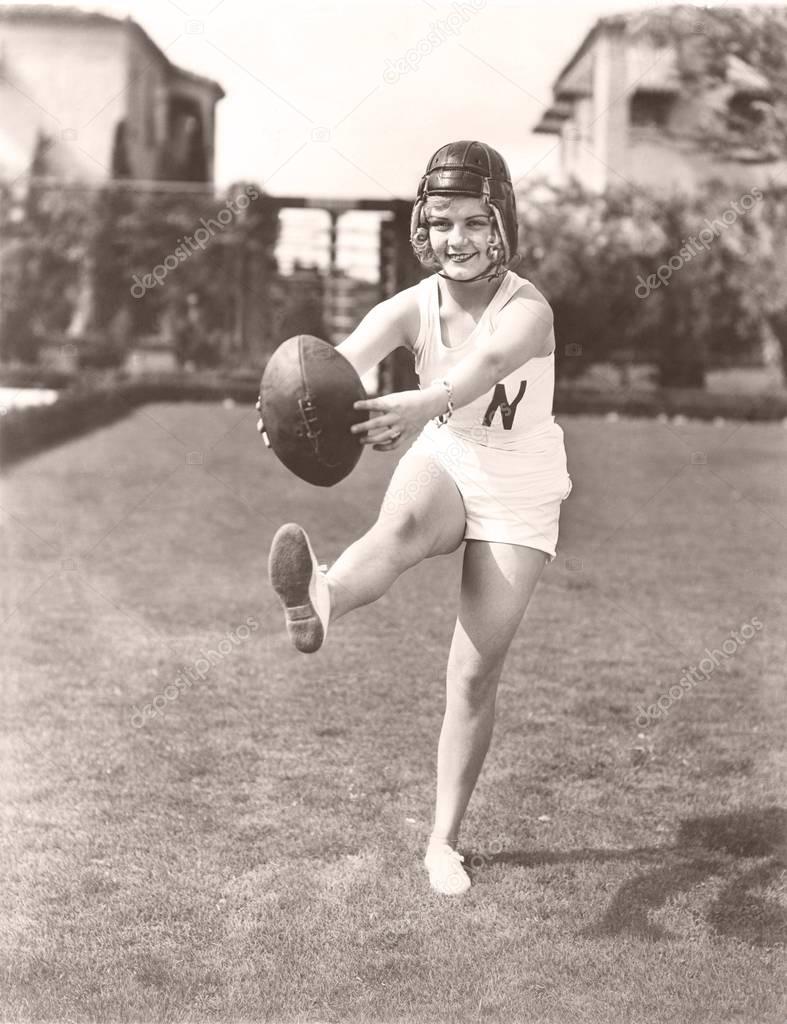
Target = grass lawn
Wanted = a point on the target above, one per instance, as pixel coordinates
(252, 852)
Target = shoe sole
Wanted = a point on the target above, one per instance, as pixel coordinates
(290, 568)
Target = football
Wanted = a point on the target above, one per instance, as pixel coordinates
(306, 409)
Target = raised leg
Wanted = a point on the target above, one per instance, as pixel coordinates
(422, 515)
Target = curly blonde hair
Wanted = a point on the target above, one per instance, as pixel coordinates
(422, 247)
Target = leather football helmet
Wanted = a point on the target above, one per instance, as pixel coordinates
(469, 169)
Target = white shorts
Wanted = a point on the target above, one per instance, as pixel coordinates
(510, 497)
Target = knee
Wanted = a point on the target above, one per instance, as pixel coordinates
(475, 688)
(403, 530)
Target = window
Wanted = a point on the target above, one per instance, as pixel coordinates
(745, 111)
(650, 109)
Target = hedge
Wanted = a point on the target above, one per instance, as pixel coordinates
(28, 430)
(693, 403)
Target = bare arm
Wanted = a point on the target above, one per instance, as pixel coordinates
(381, 331)
(523, 331)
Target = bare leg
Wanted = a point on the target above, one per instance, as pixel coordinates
(497, 583)
(422, 515)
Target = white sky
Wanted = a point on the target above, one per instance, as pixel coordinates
(309, 112)
(311, 108)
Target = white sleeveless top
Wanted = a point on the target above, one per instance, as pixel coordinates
(519, 406)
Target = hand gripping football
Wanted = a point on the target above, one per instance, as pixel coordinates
(306, 410)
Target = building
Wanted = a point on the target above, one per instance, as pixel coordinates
(623, 113)
(90, 97)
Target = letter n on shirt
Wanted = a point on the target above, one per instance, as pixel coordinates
(507, 409)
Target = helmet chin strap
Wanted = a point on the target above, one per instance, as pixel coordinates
(469, 280)
(499, 270)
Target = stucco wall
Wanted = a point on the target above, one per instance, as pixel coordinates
(600, 148)
(147, 106)
(73, 79)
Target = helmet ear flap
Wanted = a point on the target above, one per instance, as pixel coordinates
(419, 234)
(498, 251)
(502, 232)
(415, 216)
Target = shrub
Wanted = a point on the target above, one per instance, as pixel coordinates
(593, 257)
(31, 429)
(35, 428)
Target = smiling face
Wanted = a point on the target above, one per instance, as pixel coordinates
(461, 230)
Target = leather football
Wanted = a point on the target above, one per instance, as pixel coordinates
(306, 406)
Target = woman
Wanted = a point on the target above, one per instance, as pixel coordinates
(483, 461)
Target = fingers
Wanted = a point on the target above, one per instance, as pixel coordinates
(383, 437)
(382, 430)
(373, 404)
(387, 441)
(376, 423)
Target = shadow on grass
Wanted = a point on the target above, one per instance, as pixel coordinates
(705, 847)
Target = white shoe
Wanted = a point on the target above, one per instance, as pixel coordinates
(298, 579)
(446, 874)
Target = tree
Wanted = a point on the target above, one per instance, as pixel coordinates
(761, 273)
(734, 61)
(92, 258)
(637, 277)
